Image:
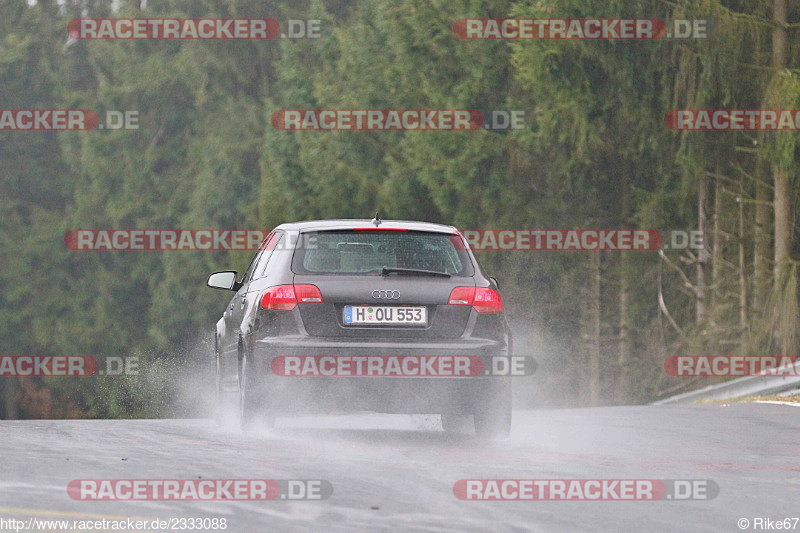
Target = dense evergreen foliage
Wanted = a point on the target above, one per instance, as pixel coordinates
(595, 153)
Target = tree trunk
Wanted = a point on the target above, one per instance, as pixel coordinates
(702, 226)
(779, 34)
(783, 213)
(785, 275)
(717, 288)
(625, 347)
(782, 198)
(624, 339)
(761, 238)
(742, 267)
(594, 329)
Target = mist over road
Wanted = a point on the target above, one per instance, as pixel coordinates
(397, 472)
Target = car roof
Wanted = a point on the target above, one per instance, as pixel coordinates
(352, 223)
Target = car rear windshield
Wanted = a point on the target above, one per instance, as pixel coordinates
(367, 252)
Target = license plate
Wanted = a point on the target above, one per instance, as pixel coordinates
(385, 315)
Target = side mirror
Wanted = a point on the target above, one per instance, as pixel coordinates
(497, 283)
(223, 280)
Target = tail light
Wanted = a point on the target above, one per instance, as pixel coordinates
(487, 301)
(285, 297)
(308, 294)
(462, 296)
(481, 299)
(279, 298)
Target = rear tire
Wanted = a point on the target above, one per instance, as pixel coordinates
(493, 415)
(225, 401)
(456, 423)
(252, 404)
(246, 395)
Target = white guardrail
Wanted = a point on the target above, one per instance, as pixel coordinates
(767, 383)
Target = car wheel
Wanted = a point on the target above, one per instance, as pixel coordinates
(246, 395)
(226, 399)
(456, 423)
(252, 408)
(219, 417)
(493, 415)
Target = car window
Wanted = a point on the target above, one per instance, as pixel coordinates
(264, 245)
(266, 255)
(362, 252)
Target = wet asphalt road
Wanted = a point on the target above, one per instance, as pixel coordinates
(394, 473)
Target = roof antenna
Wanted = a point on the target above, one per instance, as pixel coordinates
(377, 220)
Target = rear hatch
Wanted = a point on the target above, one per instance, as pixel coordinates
(383, 283)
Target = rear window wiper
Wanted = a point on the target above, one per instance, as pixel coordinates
(413, 272)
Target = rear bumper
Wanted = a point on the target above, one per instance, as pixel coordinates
(430, 394)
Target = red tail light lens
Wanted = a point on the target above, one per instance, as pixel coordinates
(462, 296)
(483, 300)
(279, 298)
(308, 294)
(285, 297)
(487, 301)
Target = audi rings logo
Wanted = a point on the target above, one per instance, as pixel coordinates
(386, 295)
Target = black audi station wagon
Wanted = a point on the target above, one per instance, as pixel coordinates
(363, 315)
